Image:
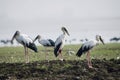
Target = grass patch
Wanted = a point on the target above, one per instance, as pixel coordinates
(16, 54)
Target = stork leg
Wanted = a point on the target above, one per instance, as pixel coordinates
(27, 56)
(89, 60)
(60, 55)
(46, 54)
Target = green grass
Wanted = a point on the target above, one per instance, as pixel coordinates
(16, 54)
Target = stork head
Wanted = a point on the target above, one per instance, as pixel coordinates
(38, 37)
(16, 34)
(99, 38)
(65, 31)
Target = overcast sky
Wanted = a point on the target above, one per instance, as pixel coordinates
(83, 18)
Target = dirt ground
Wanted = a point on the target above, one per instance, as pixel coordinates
(58, 70)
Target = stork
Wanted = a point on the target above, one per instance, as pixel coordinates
(59, 43)
(26, 41)
(86, 48)
(45, 42)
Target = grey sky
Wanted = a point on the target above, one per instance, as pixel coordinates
(83, 18)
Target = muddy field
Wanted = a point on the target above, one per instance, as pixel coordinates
(58, 70)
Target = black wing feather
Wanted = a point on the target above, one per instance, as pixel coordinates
(83, 49)
(56, 49)
(80, 52)
(32, 46)
(51, 42)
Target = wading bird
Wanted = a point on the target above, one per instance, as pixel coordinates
(45, 42)
(26, 41)
(59, 43)
(87, 46)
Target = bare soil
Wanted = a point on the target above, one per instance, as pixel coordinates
(61, 70)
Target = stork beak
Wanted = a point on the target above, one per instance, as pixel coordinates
(67, 32)
(102, 40)
(36, 38)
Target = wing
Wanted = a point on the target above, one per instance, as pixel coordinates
(25, 38)
(32, 46)
(51, 42)
(56, 49)
(26, 41)
(44, 42)
(85, 47)
(59, 40)
(58, 44)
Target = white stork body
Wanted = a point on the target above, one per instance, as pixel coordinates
(45, 42)
(59, 43)
(23, 38)
(26, 41)
(60, 40)
(87, 46)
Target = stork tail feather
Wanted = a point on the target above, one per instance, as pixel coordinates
(32, 46)
(52, 42)
(56, 52)
(80, 52)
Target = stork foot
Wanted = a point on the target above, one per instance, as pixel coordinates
(90, 66)
(48, 61)
(26, 62)
(62, 59)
